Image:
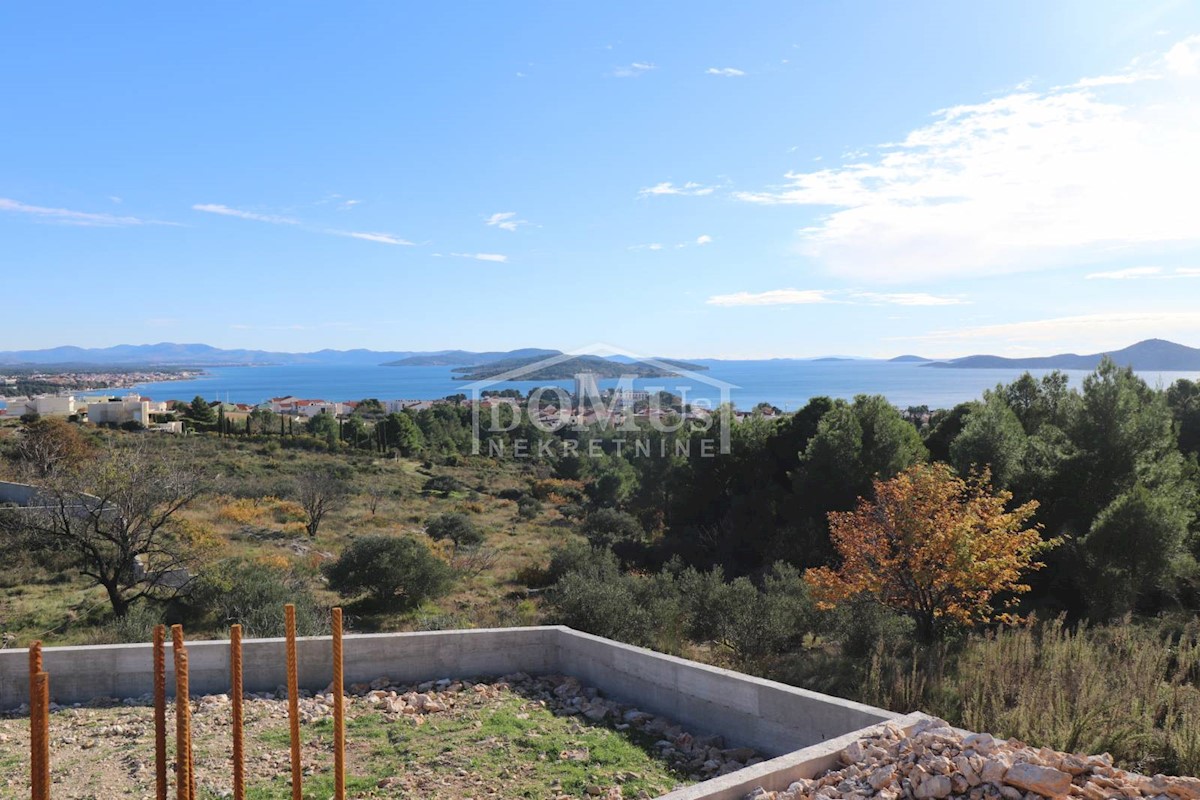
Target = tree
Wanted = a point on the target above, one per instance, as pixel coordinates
(402, 433)
(115, 521)
(320, 492)
(1134, 546)
(456, 527)
(933, 546)
(52, 445)
(993, 438)
(607, 527)
(324, 426)
(200, 412)
(394, 572)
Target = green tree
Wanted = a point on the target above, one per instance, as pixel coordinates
(324, 426)
(993, 438)
(403, 434)
(1136, 547)
(393, 572)
(608, 527)
(456, 527)
(200, 412)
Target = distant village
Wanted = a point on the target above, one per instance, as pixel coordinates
(586, 405)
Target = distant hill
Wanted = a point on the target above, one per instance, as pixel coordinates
(909, 359)
(203, 355)
(569, 368)
(1151, 355)
(465, 358)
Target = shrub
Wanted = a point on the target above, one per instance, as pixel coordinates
(608, 527)
(253, 594)
(458, 528)
(528, 507)
(393, 572)
(443, 484)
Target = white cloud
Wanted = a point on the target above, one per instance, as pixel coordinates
(775, 297)
(505, 221)
(66, 216)
(668, 188)
(276, 219)
(908, 299)
(483, 256)
(633, 70)
(382, 238)
(725, 72)
(650, 246)
(1184, 58)
(1125, 274)
(226, 211)
(1157, 273)
(704, 239)
(1025, 181)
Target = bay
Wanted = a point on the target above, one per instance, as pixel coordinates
(786, 384)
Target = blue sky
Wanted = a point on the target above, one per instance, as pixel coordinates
(690, 179)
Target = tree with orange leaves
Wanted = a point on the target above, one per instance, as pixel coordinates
(932, 546)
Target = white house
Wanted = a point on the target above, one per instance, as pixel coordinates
(119, 410)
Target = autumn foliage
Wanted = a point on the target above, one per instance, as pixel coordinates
(933, 546)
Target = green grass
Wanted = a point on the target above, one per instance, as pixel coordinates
(513, 744)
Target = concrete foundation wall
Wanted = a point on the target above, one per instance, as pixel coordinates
(79, 674)
(20, 494)
(771, 717)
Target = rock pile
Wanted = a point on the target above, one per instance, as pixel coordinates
(935, 761)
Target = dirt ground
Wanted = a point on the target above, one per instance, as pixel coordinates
(517, 737)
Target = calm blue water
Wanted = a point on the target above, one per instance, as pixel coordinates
(784, 383)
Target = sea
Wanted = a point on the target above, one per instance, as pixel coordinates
(785, 384)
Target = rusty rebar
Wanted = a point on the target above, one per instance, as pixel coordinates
(235, 693)
(183, 722)
(339, 712)
(293, 690)
(160, 713)
(35, 724)
(41, 777)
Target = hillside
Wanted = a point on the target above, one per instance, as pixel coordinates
(569, 368)
(1153, 355)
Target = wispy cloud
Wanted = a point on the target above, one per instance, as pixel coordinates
(278, 219)
(505, 221)
(775, 297)
(669, 188)
(254, 216)
(651, 246)
(66, 216)
(793, 297)
(1029, 180)
(908, 299)
(703, 239)
(1155, 273)
(1125, 274)
(483, 256)
(381, 238)
(725, 72)
(633, 70)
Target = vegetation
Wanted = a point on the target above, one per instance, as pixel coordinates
(394, 572)
(882, 554)
(932, 546)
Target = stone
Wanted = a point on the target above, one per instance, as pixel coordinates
(934, 786)
(1046, 781)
